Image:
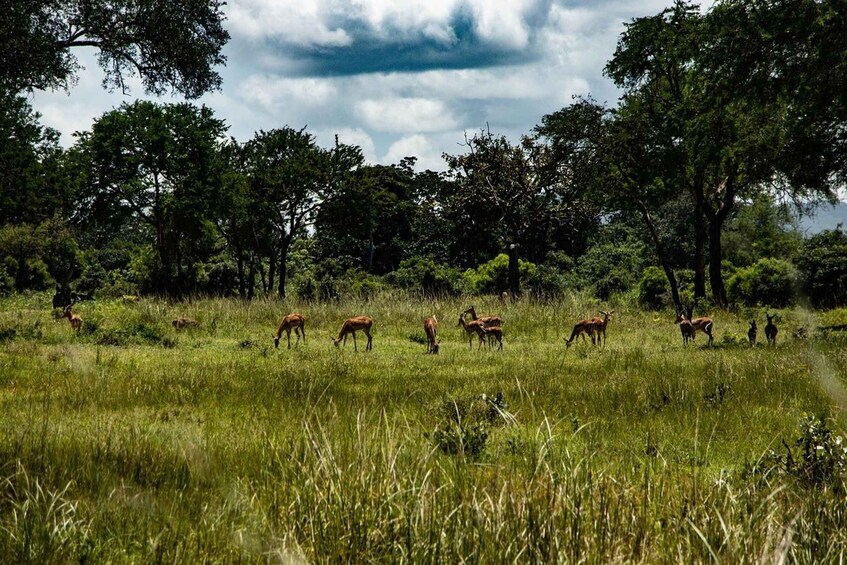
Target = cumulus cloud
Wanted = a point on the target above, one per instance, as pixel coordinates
(395, 78)
(404, 115)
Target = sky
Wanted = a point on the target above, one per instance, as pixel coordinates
(398, 78)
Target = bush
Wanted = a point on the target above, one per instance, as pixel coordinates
(768, 281)
(823, 268)
(493, 277)
(819, 457)
(465, 423)
(653, 289)
(7, 283)
(425, 275)
(611, 268)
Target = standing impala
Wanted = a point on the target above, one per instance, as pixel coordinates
(690, 327)
(770, 329)
(294, 322)
(600, 325)
(74, 319)
(471, 328)
(351, 326)
(495, 333)
(430, 326)
(487, 321)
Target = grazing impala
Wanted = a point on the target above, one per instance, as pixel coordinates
(770, 329)
(294, 322)
(581, 328)
(473, 327)
(690, 327)
(74, 319)
(496, 333)
(600, 325)
(487, 321)
(430, 326)
(351, 326)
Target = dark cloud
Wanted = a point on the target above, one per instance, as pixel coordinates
(391, 49)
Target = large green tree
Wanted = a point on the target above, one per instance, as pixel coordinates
(157, 166)
(169, 45)
(290, 178)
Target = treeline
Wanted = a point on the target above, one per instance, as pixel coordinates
(685, 191)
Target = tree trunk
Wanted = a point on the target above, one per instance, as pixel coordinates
(514, 271)
(660, 253)
(239, 261)
(271, 274)
(715, 260)
(369, 261)
(251, 278)
(699, 251)
(283, 266)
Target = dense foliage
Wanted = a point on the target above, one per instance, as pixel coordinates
(693, 172)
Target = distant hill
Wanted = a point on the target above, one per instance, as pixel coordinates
(826, 217)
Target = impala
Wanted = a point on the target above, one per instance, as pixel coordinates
(690, 327)
(183, 322)
(294, 322)
(430, 326)
(486, 320)
(600, 325)
(581, 328)
(74, 319)
(471, 328)
(770, 329)
(351, 326)
(495, 332)
(752, 332)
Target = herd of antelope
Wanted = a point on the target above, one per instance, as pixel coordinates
(487, 329)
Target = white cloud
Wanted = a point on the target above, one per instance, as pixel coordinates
(405, 115)
(415, 146)
(273, 94)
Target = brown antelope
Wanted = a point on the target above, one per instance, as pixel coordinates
(581, 328)
(486, 320)
(183, 322)
(770, 329)
(600, 325)
(752, 332)
(471, 328)
(690, 327)
(496, 333)
(351, 326)
(294, 322)
(74, 319)
(430, 326)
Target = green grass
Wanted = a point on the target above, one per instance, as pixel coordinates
(134, 442)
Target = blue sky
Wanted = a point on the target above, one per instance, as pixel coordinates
(397, 78)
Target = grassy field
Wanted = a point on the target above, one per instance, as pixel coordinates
(134, 442)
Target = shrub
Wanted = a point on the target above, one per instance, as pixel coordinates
(7, 283)
(493, 277)
(425, 275)
(653, 289)
(819, 457)
(465, 423)
(768, 281)
(611, 268)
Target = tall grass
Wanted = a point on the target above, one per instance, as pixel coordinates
(135, 442)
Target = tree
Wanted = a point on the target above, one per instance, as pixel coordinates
(169, 45)
(727, 148)
(32, 185)
(156, 166)
(618, 160)
(506, 193)
(290, 177)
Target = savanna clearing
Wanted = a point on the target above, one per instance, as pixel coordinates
(135, 441)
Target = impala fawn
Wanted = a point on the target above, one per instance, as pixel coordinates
(771, 329)
(294, 322)
(495, 333)
(351, 326)
(430, 327)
